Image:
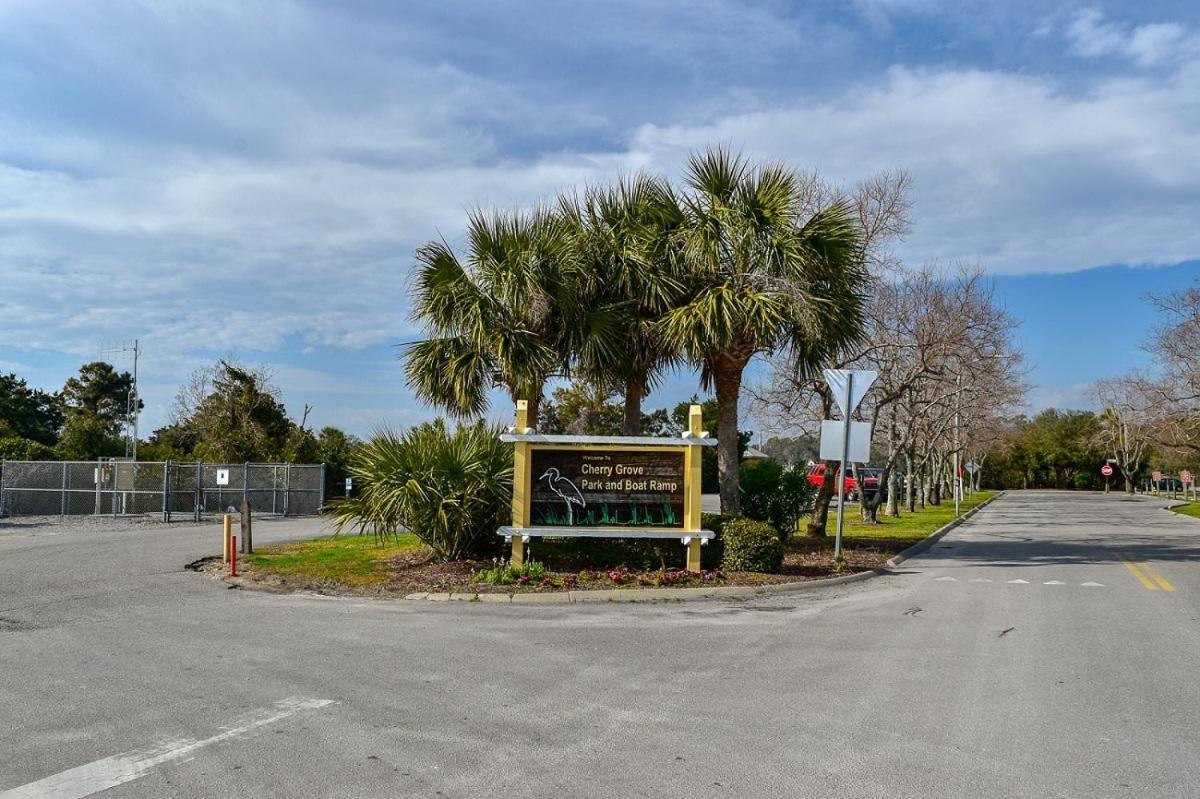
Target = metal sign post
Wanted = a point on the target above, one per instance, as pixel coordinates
(841, 475)
(849, 387)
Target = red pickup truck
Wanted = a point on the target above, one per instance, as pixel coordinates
(870, 479)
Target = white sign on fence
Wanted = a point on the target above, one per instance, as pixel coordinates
(222, 477)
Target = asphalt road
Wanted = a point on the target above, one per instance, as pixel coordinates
(1022, 656)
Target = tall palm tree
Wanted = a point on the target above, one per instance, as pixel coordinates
(621, 235)
(762, 274)
(497, 317)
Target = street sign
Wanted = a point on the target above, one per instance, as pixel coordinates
(849, 386)
(861, 381)
(349, 484)
(1157, 476)
(222, 477)
(1185, 476)
(971, 467)
(832, 433)
(1106, 470)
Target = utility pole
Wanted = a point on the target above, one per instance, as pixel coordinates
(133, 404)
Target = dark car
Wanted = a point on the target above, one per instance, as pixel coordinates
(1169, 484)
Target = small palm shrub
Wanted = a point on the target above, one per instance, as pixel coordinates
(451, 489)
(769, 494)
(751, 546)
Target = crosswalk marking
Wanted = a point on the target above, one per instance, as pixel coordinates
(1023, 582)
(1054, 582)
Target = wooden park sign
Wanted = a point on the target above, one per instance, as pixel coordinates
(606, 486)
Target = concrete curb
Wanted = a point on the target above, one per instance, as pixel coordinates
(727, 592)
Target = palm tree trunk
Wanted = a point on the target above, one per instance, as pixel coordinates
(634, 392)
(727, 377)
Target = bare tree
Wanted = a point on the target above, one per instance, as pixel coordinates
(1125, 424)
(943, 350)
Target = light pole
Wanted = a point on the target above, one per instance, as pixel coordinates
(957, 405)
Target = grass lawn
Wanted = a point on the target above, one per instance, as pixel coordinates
(1191, 509)
(349, 559)
(910, 525)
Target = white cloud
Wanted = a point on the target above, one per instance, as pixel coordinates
(1015, 170)
(253, 179)
(1091, 34)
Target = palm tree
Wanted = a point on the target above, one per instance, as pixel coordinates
(762, 274)
(499, 317)
(621, 236)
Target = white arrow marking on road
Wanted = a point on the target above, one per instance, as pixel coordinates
(1054, 582)
(1097, 585)
(1025, 582)
(110, 772)
(979, 580)
(946, 580)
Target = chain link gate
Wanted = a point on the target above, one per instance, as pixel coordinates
(172, 489)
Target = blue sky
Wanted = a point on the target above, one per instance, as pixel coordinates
(251, 177)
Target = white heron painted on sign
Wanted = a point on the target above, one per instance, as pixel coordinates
(567, 491)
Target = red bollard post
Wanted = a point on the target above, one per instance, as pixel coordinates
(233, 556)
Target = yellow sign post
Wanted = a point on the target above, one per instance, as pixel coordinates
(606, 486)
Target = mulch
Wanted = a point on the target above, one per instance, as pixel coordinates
(417, 571)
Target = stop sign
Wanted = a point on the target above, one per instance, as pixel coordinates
(1185, 476)
(1106, 470)
(1157, 476)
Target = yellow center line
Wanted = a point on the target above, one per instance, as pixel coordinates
(1162, 583)
(1137, 573)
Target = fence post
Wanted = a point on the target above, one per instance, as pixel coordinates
(166, 498)
(321, 500)
(274, 489)
(2, 462)
(287, 487)
(63, 504)
(199, 489)
(245, 481)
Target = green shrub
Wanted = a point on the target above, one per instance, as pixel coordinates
(751, 545)
(769, 494)
(450, 489)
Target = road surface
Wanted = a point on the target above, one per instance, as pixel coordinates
(1049, 647)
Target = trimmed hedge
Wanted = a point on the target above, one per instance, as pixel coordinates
(750, 546)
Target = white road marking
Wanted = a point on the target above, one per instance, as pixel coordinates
(110, 772)
(1054, 582)
(979, 580)
(946, 580)
(1023, 582)
(1097, 585)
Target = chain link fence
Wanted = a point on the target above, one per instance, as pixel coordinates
(172, 489)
